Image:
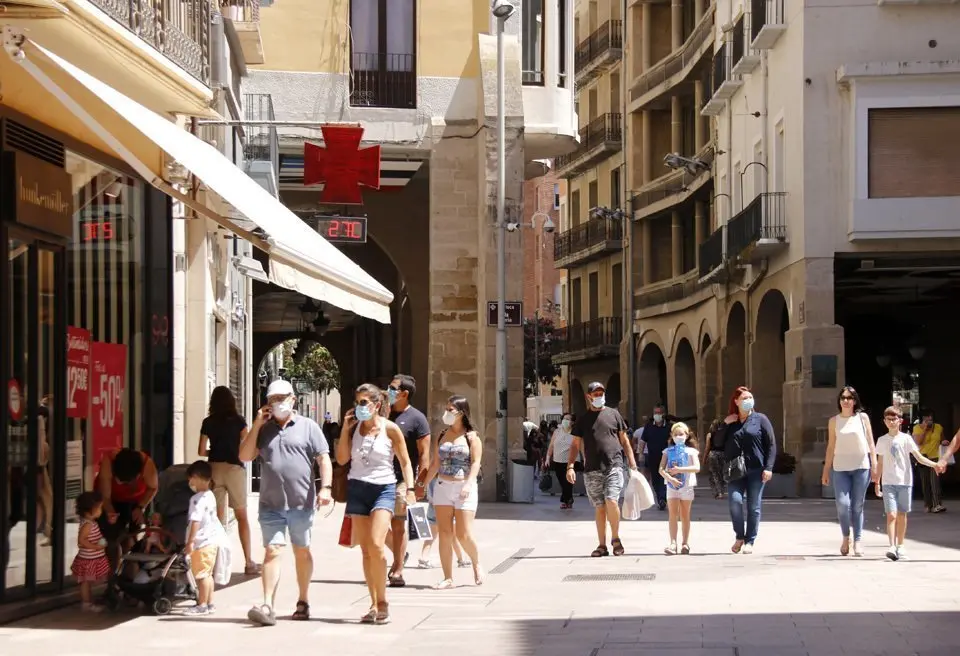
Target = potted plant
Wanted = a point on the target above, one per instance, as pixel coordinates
(783, 485)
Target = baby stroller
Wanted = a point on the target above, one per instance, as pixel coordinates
(155, 571)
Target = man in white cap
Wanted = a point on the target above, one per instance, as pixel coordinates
(288, 445)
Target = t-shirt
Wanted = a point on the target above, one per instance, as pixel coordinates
(203, 510)
(600, 432)
(224, 436)
(895, 451)
(682, 456)
(415, 427)
(288, 454)
(657, 438)
(929, 441)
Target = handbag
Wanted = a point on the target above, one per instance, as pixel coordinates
(339, 484)
(546, 480)
(736, 467)
(346, 533)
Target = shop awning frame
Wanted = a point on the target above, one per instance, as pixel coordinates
(300, 258)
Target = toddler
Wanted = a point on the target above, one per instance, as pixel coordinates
(90, 565)
(205, 534)
(896, 481)
(679, 465)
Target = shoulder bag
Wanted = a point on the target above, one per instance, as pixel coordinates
(736, 467)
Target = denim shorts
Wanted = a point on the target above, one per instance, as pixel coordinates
(897, 498)
(363, 498)
(274, 525)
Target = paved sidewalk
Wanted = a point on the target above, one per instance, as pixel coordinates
(795, 595)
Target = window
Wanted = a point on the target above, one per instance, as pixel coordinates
(556, 195)
(594, 293)
(575, 208)
(912, 152)
(383, 67)
(615, 91)
(615, 188)
(562, 44)
(531, 41)
(593, 195)
(562, 301)
(576, 301)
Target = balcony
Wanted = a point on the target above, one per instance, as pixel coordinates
(587, 242)
(598, 52)
(662, 293)
(760, 230)
(179, 29)
(244, 17)
(711, 257)
(602, 136)
(673, 187)
(380, 79)
(767, 23)
(675, 67)
(591, 340)
(745, 57)
(725, 84)
(261, 148)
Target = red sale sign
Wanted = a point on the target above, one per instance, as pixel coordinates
(78, 372)
(108, 378)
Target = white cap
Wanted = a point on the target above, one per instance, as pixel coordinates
(280, 387)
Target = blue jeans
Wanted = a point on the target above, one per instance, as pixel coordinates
(748, 489)
(850, 490)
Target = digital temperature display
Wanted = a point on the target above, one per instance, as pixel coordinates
(102, 230)
(343, 229)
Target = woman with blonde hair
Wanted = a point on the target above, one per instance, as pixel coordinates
(679, 465)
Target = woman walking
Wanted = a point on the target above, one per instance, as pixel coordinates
(369, 442)
(716, 461)
(852, 460)
(751, 448)
(456, 463)
(557, 455)
(220, 436)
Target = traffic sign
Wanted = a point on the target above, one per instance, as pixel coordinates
(513, 313)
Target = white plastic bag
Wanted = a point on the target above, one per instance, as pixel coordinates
(950, 459)
(637, 497)
(223, 565)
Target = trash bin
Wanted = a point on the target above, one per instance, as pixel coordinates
(521, 482)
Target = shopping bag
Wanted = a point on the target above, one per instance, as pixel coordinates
(418, 524)
(346, 533)
(546, 480)
(637, 497)
(950, 459)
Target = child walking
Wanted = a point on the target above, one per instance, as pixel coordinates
(896, 481)
(90, 564)
(205, 534)
(679, 466)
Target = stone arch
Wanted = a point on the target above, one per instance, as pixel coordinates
(680, 333)
(733, 353)
(768, 361)
(614, 392)
(685, 381)
(704, 337)
(578, 403)
(648, 337)
(651, 377)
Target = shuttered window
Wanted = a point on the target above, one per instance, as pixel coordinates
(914, 152)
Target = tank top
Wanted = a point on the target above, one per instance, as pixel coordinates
(126, 492)
(455, 458)
(93, 536)
(371, 459)
(850, 450)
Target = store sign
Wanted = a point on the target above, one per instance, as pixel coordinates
(343, 229)
(108, 378)
(37, 194)
(78, 372)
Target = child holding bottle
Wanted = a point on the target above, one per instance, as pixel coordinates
(679, 466)
(90, 564)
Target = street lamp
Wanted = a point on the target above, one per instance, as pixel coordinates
(501, 11)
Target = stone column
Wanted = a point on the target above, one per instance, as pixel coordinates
(676, 24)
(697, 10)
(645, 145)
(646, 38)
(699, 232)
(699, 122)
(647, 246)
(676, 243)
(676, 126)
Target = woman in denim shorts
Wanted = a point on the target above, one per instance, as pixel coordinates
(369, 442)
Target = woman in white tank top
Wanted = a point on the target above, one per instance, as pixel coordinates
(852, 461)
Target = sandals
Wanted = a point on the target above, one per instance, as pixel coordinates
(396, 580)
(251, 569)
(671, 550)
(617, 546)
(600, 552)
(478, 575)
(445, 584)
(383, 614)
(845, 547)
(302, 613)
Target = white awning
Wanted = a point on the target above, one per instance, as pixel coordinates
(300, 259)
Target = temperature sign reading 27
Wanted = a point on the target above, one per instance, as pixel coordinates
(108, 378)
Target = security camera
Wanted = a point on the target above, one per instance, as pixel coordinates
(502, 9)
(692, 165)
(548, 225)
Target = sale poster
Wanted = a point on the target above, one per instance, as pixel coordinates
(108, 378)
(78, 372)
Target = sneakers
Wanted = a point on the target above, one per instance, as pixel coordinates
(858, 549)
(92, 608)
(747, 549)
(196, 611)
(901, 553)
(892, 554)
(262, 615)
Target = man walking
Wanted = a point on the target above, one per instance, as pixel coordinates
(656, 438)
(416, 433)
(929, 437)
(288, 445)
(601, 434)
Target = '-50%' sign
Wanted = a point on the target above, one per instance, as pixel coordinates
(108, 376)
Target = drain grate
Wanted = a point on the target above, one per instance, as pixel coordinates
(510, 561)
(578, 578)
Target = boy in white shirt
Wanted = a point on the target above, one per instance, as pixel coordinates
(205, 534)
(894, 450)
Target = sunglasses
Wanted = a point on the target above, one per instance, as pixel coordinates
(846, 398)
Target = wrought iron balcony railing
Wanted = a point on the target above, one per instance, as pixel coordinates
(608, 36)
(379, 79)
(721, 69)
(767, 22)
(711, 253)
(180, 29)
(763, 218)
(605, 129)
(676, 61)
(586, 236)
(601, 333)
(262, 143)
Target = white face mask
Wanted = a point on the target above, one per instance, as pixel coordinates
(193, 488)
(679, 439)
(565, 424)
(658, 418)
(282, 409)
(449, 418)
(598, 401)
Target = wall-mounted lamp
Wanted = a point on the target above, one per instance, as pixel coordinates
(883, 361)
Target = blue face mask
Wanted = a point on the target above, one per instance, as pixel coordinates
(392, 395)
(364, 412)
(746, 405)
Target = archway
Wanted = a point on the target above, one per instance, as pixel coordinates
(768, 364)
(733, 354)
(578, 402)
(614, 392)
(685, 381)
(651, 379)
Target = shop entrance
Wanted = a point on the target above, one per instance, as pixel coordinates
(33, 309)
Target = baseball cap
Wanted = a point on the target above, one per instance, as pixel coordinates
(594, 386)
(280, 387)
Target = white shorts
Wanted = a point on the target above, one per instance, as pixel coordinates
(684, 493)
(447, 493)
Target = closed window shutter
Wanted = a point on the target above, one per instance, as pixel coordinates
(913, 152)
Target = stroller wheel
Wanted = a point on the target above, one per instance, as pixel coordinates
(162, 606)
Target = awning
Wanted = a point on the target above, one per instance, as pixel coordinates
(300, 259)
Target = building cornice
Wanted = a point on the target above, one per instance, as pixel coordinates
(849, 72)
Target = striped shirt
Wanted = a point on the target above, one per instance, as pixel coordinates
(93, 536)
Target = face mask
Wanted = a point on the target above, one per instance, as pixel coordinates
(746, 405)
(282, 409)
(565, 424)
(598, 401)
(658, 418)
(679, 439)
(193, 488)
(364, 412)
(449, 418)
(392, 395)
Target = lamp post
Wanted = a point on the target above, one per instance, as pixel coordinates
(501, 11)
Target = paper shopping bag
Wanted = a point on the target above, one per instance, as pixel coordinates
(346, 533)
(419, 525)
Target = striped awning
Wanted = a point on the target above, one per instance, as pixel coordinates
(394, 174)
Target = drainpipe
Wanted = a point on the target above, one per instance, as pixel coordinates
(765, 117)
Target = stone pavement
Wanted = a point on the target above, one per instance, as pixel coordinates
(795, 595)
